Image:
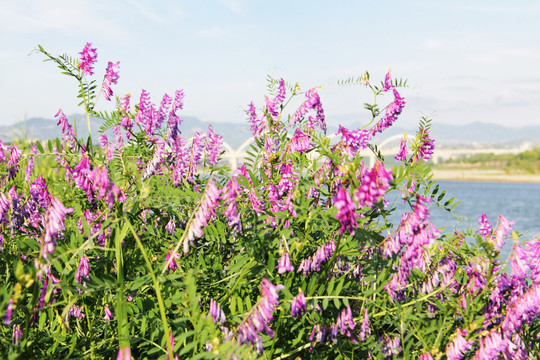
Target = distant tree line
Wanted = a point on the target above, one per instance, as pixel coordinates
(527, 161)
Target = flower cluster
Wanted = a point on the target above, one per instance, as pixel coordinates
(111, 77)
(88, 59)
(374, 184)
(260, 317)
(314, 262)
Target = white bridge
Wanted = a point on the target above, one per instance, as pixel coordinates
(235, 157)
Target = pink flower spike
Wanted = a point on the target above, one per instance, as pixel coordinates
(284, 264)
(111, 77)
(388, 81)
(108, 313)
(17, 334)
(88, 59)
(346, 212)
(504, 227)
(402, 154)
(298, 305)
(124, 354)
(300, 142)
(485, 227)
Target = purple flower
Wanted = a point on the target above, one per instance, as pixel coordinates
(426, 356)
(5, 205)
(17, 334)
(157, 158)
(203, 212)
(260, 316)
(216, 312)
(163, 110)
(100, 183)
(88, 59)
(144, 107)
(300, 142)
(281, 92)
(30, 166)
(525, 259)
(257, 124)
(458, 346)
(170, 347)
(313, 102)
(174, 121)
(178, 102)
(352, 141)
(298, 305)
(76, 311)
(69, 134)
(9, 310)
(171, 226)
(197, 146)
(345, 322)
(13, 162)
(364, 328)
(108, 313)
(426, 145)
(390, 346)
(213, 144)
(171, 260)
(111, 77)
(229, 196)
(94, 221)
(313, 263)
(388, 81)
(522, 311)
(55, 217)
(272, 107)
(491, 346)
(392, 112)
(402, 154)
(82, 270)
(374, 184)
(485, 227)
(503, 229)
(81, 175)
(346, 211)
(284, 263)
(124, 353)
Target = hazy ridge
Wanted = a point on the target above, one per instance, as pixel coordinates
(446, 135)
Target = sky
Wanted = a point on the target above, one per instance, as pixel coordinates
(465, 61)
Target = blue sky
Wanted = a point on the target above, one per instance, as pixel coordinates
(465, 60)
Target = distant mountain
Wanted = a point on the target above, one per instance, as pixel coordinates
(445, 135)
(45, 129)
(477, 133)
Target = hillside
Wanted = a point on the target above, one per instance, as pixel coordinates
(476, 134)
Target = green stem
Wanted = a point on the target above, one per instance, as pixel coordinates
(284, 356)
(123, 329)
(156, 288)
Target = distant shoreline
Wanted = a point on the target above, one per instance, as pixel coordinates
(483, 175)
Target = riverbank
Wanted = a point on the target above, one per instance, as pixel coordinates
(482, 175)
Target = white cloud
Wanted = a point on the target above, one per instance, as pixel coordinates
(233, 5)
(61, 15)
(215, 32)
(147, 13)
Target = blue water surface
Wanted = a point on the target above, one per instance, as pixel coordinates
(518, 202)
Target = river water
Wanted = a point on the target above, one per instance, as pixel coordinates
(519, 202)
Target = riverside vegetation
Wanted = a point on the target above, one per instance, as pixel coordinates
(147, 247)
(527, 162)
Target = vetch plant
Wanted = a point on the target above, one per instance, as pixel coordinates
(144, 245)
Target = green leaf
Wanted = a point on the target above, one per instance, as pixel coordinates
(40, 147)
(58, 146)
